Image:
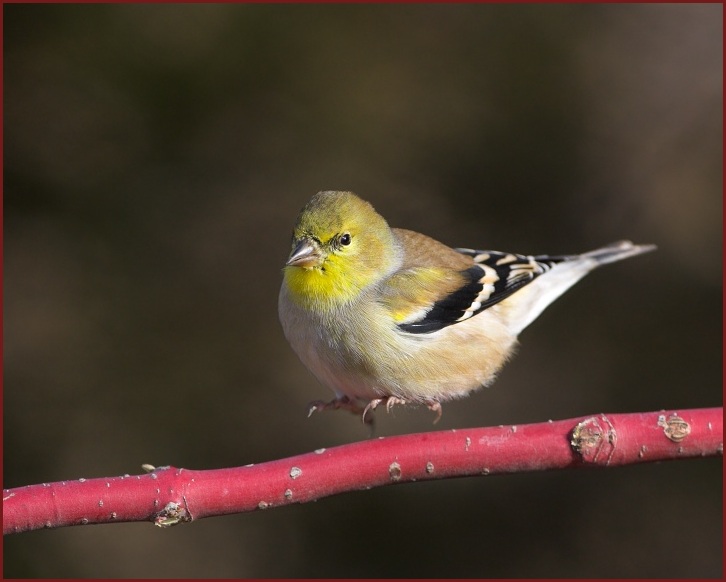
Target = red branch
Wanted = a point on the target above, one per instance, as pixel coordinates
(168, 495)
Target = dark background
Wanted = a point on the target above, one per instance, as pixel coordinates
(156, 157)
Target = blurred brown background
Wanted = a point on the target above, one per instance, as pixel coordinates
(156, 157)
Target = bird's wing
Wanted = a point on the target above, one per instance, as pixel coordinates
(427, 299)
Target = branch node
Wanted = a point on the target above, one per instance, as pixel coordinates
(172, 514)
(674, 427)
(394, 470)
(590, 440)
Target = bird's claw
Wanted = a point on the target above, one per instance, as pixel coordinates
(389, 400)
(435, 406)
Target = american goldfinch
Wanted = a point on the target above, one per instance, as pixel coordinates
(389, 316)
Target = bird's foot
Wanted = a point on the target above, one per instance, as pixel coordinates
(389, 400)
(346, 403)
(342, 402)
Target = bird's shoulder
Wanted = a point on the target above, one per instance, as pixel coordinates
(420, 250)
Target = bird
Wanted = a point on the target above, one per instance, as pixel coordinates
(389, 316)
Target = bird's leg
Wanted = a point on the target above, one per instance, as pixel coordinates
(435, 406)
(342, 402)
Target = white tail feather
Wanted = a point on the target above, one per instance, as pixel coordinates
(525, 305)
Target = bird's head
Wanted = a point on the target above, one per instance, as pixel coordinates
(340, 246)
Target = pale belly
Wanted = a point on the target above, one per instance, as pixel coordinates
(366, 362)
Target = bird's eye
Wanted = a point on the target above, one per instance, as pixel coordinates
(345, 239)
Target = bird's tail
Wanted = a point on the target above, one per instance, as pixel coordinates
(530, 301)
(616, 252)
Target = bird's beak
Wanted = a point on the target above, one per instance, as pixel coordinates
(305, 254)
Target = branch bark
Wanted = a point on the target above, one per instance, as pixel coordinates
(169, 495)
